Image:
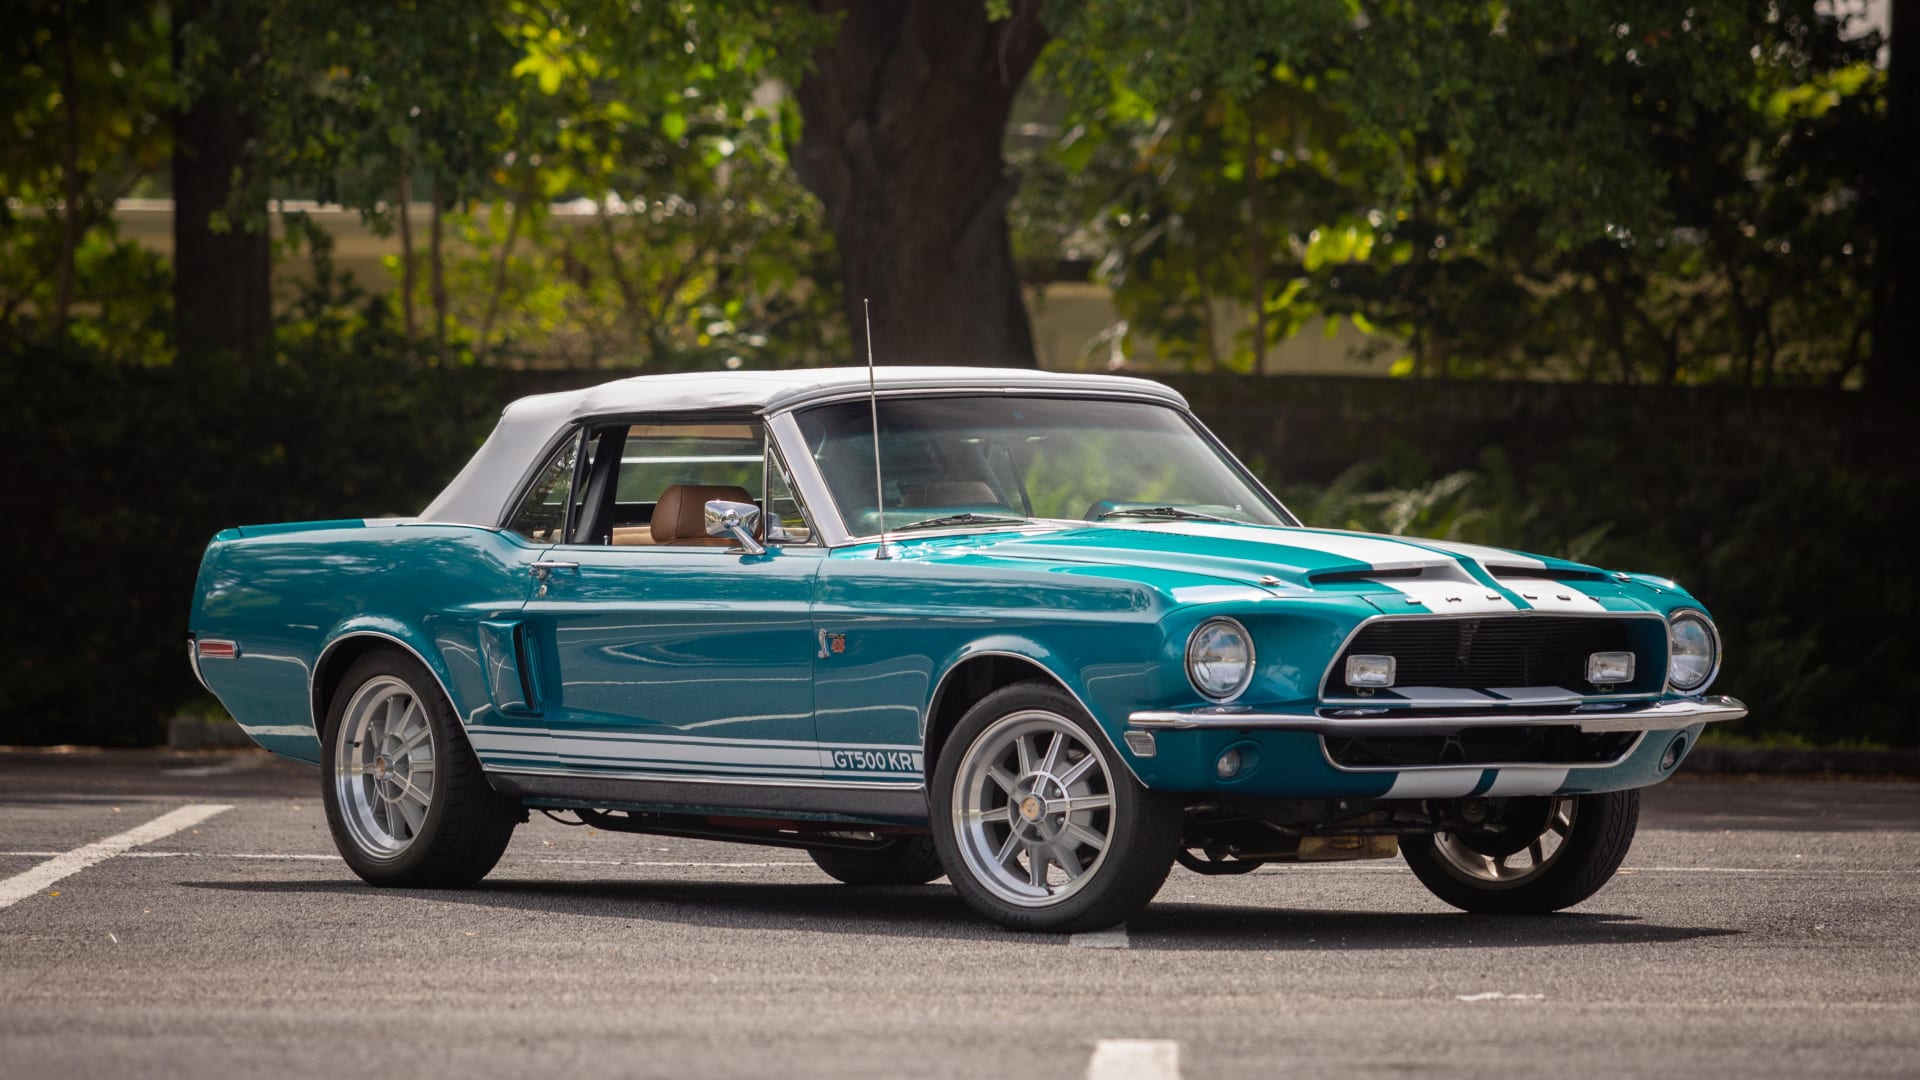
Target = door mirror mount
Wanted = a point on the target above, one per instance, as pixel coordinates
(738, 520)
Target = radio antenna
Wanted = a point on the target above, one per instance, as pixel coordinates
(885, 550)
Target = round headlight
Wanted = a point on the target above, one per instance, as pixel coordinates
(1220, 658)
(1693, 651)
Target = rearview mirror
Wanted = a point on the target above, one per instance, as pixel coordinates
(738, 520)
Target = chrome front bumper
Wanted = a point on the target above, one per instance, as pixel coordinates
(1593, 719)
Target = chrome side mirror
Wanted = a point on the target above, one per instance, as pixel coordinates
(738, 520)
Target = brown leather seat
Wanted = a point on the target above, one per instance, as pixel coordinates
(680, 515)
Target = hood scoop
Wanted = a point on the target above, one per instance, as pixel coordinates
(1338, 577)
(1547, 573)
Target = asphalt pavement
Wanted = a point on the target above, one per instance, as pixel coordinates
(184, 915)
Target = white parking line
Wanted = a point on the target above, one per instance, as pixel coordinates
(25, 884)
(1135, 1059)
(1110, 938)
(271, 856)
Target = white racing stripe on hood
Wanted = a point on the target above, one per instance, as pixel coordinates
(1453, 593)
(1447, 597)
(1376, 553)
(1541, 594)
(1544, 595)
(1485, 556)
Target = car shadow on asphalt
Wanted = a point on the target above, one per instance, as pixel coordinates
(936, 911)
(1203, 927)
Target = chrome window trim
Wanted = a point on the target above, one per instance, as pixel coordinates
(809, 487)
(1631, 748)
(792, 432)
(1326, 679)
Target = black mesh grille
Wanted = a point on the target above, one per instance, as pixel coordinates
(1558, 745)
(1472, 654)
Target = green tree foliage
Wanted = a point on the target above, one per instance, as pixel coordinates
(1627, 191)
(83, 91)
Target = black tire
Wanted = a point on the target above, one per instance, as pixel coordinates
(1600, 831)
(1142, 828)
(465, 825)
(910, 860)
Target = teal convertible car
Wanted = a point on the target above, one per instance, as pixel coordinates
(1037, 632)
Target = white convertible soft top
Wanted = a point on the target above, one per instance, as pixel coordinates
(479, 495)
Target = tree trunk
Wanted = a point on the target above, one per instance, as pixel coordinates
(1256, 248)
(904, 115)
(1893, 364)
(436, 268)
(222, 296)
(405, 195)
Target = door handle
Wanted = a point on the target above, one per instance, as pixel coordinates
(546, 566)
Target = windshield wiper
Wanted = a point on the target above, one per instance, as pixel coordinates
(1171, 513)
(960, 519)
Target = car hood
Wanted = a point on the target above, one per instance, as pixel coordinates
(1396, 574)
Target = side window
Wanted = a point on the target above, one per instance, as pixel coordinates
(667, 473)
(542, 516)
(782, 507)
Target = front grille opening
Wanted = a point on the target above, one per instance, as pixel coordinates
(1491, 746)
(1508, 651)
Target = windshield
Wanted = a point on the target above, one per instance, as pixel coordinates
(992, 460)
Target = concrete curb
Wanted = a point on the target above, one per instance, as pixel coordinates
(1731, 760)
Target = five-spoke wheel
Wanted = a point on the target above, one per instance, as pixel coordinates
(1039, 824)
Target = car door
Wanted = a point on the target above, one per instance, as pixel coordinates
(665, 653)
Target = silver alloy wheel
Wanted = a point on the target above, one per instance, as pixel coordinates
(1033, 808)
(1518, 868)
(383, 766)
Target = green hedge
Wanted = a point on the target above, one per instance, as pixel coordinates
(119, 475)
(1792, 516)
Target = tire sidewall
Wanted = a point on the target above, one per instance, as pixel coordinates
(384, 663)
(1603, 830)
(1140, 851)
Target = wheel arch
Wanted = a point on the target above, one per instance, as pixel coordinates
(349, 645)
(977, 672)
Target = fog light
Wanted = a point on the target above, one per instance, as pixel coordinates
(1229, 765)
(1610, 668)
(1675, 749)
(1370, 671)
